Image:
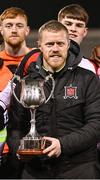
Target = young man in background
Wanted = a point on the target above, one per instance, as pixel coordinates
(76, 18)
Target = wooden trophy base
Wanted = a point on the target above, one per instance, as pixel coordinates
(30, 152)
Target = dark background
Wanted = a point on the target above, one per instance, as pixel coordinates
(40, 11)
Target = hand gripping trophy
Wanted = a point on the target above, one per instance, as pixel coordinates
(32, 96)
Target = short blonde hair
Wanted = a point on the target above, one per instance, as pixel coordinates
(52, 26)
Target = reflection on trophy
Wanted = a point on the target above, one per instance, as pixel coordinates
(32, 96)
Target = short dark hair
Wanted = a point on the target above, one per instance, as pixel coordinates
(74, 11)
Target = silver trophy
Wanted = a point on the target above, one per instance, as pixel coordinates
(32, 96)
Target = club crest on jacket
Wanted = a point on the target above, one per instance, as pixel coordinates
(70, 92)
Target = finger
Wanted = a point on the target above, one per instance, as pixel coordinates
(48, 138)
(18, 156)
(51, 153)
(48, 149)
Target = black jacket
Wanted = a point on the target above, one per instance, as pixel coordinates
(72, 115)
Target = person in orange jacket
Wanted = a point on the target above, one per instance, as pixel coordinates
(14, 30)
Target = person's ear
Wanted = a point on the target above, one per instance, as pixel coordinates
(85, 31)
(39, 45)
(69, 44)
(27, 30)
(1, 30)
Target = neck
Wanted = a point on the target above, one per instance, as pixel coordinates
(16, 51)
(47, 67)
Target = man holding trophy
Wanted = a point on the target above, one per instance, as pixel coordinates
(58, 104)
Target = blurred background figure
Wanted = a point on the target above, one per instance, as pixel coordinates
(95, 58)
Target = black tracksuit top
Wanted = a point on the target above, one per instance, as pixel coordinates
(72, 115)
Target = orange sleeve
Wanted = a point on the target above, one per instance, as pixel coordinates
(5, 76)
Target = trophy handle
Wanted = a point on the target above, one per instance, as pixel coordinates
(53, 86)
(15, 77)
